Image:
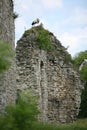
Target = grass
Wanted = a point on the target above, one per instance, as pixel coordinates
(43, 40)
(78, 125)
(42, 37)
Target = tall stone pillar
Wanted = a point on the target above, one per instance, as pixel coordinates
(7, 80)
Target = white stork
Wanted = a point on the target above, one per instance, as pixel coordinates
(35, 21)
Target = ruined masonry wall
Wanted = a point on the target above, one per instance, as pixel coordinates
(56, 83)
(7, 80)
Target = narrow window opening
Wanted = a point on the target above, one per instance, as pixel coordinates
(41, 64)
(18, 93)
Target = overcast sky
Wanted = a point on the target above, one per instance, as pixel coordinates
(67, 19)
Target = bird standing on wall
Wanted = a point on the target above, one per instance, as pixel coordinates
(35, 22)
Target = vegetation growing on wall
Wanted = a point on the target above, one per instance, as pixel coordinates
(5, 55)
(43, 39)
(15, 15)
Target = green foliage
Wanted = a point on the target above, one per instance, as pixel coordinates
(27, 32)
(84, 73)
(6, 54)
(15, 15)
(78, 125)
(78, 59)
(83, 108)
(22, 115)
(43, 39)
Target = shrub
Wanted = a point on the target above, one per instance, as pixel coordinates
(22, 115)
(43, 39)
(15, 15)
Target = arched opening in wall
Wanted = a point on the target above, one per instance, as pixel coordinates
(41, 64)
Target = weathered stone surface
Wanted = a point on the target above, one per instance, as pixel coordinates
(51, 76)
(7, 80)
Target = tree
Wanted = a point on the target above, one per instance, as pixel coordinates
(78, 59)
(83, 108)
(6, 54)
(22, 115)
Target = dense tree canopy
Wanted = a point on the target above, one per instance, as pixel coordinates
(78, 59)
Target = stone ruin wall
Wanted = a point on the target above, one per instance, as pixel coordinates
(7, 80)
(57, 87)
(56, 83)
